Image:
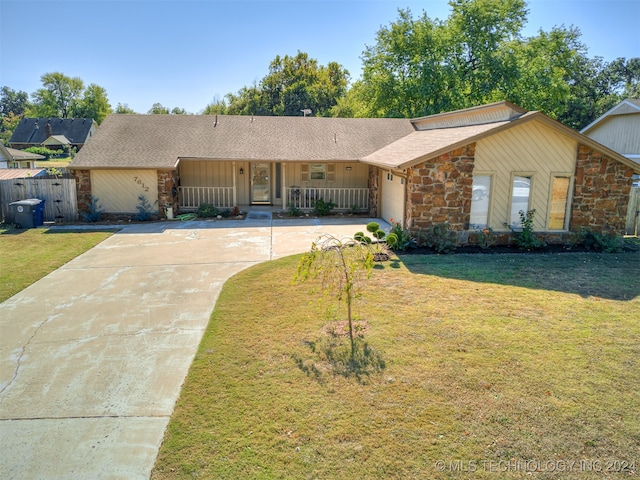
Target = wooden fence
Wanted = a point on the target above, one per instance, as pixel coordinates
(633, 212)
(59, 195)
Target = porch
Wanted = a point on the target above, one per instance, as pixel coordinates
(303, 198)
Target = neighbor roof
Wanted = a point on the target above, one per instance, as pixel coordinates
(160, 141)
(33, 131)
(15, 173)
(18, 155)
(627, 106)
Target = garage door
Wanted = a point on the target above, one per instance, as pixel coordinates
(117, 191)
(393, 188)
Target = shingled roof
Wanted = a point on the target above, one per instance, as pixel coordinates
(33, 131)
(160, 141)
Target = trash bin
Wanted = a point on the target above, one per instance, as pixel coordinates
(28, 213)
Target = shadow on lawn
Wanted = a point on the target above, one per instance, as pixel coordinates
(333, 357)
(611, 276)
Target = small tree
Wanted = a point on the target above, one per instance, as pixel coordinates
(342, 265)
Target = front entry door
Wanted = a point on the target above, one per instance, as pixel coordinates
(260, 183)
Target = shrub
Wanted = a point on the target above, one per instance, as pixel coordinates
(235, 211)
(95, 212)
(399, 238)
(323, 208)
(294, 211)
(44, 151)
(206, 210)
(441, 238)
(609, 242)
(144, 209)
(526, 239)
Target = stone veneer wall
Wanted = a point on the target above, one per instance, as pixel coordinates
(167, 185)
(601, 192)
(83, 189)
(440, 191)
(374, 191)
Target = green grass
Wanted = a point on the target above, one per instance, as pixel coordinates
(28, 255)
(519, 358)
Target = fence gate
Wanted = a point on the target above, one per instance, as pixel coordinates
(59, 195)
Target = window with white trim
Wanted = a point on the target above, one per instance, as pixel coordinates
(559, 206)
(520, 196)
(481, 189)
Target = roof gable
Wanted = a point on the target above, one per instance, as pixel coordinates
(625, 107)
(491, 113)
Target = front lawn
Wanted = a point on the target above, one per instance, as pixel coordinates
(28, 255)
(499, 365)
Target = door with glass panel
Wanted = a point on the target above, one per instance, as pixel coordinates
(260, 183)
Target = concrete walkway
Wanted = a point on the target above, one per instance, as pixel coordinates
(92, 357)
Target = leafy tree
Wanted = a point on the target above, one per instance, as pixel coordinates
(94, 104)
(158, 109)
(294, 84)
(419, 66)
(178, 111)
(12, 102)
(218, 107)
(60, 96)
(123, 108)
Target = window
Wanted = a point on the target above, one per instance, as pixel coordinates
(480, 202)
(318, 171)
(520, 193)
(559, 203)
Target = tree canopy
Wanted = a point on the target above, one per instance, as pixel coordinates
(67, 97)
(420, 66)
(295, 85)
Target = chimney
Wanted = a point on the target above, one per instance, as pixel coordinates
(47, 128)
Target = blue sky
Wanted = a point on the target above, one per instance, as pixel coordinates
(186, 53)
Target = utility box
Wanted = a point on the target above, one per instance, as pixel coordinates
(28, 213)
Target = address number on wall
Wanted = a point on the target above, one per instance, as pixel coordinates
(139, 181)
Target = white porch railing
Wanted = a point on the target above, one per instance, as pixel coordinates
(343, 198)
(193, 197)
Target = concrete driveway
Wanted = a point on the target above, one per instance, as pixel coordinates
(92, 357)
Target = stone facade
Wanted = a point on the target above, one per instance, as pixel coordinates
(601, 193)
(167, 190)
(439, 191)
(83, 189)
(374, 191)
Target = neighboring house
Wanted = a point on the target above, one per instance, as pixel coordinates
(619, 129)
(12, 158)
(53, 132)
(472, 168)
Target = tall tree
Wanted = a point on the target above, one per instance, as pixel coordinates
(94, 104)
(59, 97)
(158, 109)
(294, 85)
(123, 108)
(11, 101)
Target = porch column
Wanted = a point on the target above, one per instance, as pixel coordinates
(235, 195)
(284, 186)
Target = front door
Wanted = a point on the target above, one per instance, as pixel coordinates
(260, 183)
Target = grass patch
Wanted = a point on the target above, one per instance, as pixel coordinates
(483, 360)
(28, 255)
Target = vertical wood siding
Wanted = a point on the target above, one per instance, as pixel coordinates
(117, 191)
(532, 149)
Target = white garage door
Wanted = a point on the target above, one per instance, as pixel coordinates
(117, 191)
(393, 198)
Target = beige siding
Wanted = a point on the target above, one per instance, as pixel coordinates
(532, 149)
(117, 191)
(338, 175)
(620, 133)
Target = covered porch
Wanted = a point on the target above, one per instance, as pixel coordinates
(285, 185)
